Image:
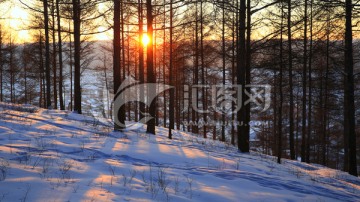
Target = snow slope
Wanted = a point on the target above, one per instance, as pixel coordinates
(49, 155)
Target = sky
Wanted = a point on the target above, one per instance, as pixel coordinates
(14, 17)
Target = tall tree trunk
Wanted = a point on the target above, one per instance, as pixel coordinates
(136, 104)
(309, 133)
(156, 71)
(304, 76)
(14, 67)
(223, 74)
(42, 101)
(122, 49)
(54, 67)
(106, 87)
(233, 72)
(150, 65)
(325, 103)
(203, 68)
(247, 72)
(243, 141)
(62, 105)
(177, 102)
(291, 107)
(128, 70)
(349, 108)
(195, 115)
(12, 70)
(71, 71)
(280, 124)
(141, 59)
(171, 78)
(47, 55)
(120, 114)
(275, 116)
(77, 85)
(164, 67)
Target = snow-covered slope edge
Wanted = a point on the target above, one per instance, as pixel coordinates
(49, 155)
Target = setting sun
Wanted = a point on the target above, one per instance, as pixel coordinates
(145, 39)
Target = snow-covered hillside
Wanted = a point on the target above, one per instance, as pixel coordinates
(48, 155)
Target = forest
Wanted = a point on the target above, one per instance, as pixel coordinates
(279, 77)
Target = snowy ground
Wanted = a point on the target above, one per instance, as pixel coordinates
(48, 155)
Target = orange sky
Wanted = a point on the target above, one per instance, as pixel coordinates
(14, 18)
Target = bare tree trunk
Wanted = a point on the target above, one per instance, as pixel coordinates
(203, 82)
(349, 108)
(195, 115)
(42, 101)
(171, 78)
(71, 71)
(141, 59)
(106, 87)
(291, 107)
(150, 65)
(177, 103)
(47, 55)
(233, 72)
(136, 110)
(304, 76)
(164, 67)
(128, 70)
(12, 70)
(275, 119)
(54, 68)
(41, 68)
(280, 124)
(223, 74)
(62, 105)
(247, 72)
(77, 85)
(120, 114)
(325, 103)
(156, 73)
(243, 141)
(122, 49)
(309, 133)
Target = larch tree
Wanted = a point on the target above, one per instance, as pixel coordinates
(47, 55)
(77, 44)
(171, 66)
(304, 86)
(242, 137)
(141, 57)
(60, 52)
(280, 85)
(150, 64)
(291, 95)
(117, 64)
(349, 106)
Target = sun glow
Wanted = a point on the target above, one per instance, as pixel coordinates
(145, 39)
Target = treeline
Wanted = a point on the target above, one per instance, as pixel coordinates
(304, 49)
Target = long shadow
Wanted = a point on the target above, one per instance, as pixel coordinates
(59, 125)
